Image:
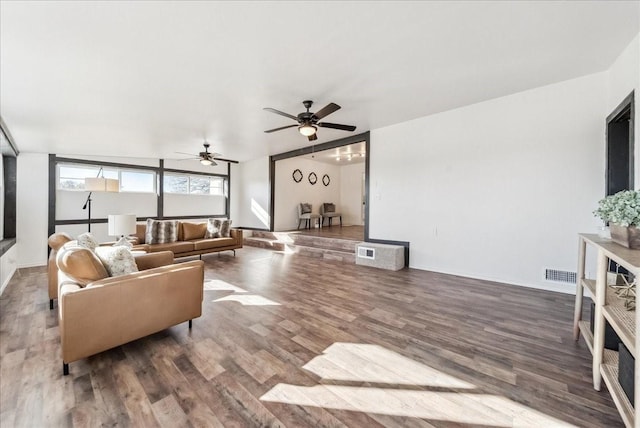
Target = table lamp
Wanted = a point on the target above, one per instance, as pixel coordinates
(122, 225)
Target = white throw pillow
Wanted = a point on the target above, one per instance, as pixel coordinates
(87, 240)
(117, 260)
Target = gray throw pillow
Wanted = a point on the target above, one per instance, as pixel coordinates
(305, 208)
(329, 208)
(161, 231)
(218, 228)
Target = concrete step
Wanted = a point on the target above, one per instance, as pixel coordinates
(267, 243)
(324, 243)
(341, 256)
(263, 234)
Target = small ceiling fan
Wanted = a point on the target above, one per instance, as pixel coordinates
(205, 158)
(308, 122)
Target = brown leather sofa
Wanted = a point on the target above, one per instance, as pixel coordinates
(97, 312)
(191, 241)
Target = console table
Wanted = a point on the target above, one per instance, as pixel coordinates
(609, 307)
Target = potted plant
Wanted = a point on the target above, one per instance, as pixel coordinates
(622, 212)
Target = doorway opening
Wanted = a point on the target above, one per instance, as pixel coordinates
(330, 173)
(620, 147)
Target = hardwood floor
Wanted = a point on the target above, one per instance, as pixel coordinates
(297, 341)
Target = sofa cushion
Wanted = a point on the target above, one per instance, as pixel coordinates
(193, 230)
(175, 247)
(141, 233)
(205, 244)
(87, 240)
(161, 231)
(80, 264)
(117, 260)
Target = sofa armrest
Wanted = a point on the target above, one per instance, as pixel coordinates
(154, 260)
(237, 235)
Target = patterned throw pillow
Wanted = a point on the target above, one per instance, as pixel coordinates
(117, 260)
(161, 231)
(213, 228)
(87, 240)
(225, 228)
(329, 208)
(305, 208)
(217, 228)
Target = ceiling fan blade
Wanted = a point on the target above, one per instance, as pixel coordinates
(282, 127)
(183, 153)
(337, 126)
(281, 113)
(326, 110)
(313, 137)
(188, 159)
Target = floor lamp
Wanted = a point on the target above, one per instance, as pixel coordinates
(98, 184)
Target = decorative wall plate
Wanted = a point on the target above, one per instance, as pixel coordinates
(313, 178)
(297, 176)
(326, 180)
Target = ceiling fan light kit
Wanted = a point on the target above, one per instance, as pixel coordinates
(206, 158)
(309, 122)
(307, 129)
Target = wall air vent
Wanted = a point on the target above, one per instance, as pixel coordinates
(367, 253)
(560, 276)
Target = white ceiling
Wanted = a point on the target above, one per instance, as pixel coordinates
(147, 79)
(345, 155)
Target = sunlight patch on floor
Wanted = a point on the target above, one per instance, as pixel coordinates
(464, 408)
(248, 300)
(442, 397)
(219, 285)
(373, 363)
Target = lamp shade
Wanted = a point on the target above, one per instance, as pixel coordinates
(101, 184)
(121, 224)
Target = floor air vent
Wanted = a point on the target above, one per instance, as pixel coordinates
(560, 276)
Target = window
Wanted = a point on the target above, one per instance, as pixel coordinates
(194, 184)
(71, 177)
(137, 181)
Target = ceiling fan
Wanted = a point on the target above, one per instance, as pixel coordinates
(308, 122)
(205, 158)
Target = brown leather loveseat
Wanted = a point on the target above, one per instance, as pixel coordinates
(98, 312)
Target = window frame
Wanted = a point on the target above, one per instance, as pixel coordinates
(222, 179)
(106, 169)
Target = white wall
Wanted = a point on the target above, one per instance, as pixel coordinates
(623, 77)
(8, 265)
(1, 194)
(32, 194)
(351, 193)
(69, 204)
(496, 190)
(288, 193)
(184, 205)
(250, 193)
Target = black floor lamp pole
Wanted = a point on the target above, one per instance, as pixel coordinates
(88, 204)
